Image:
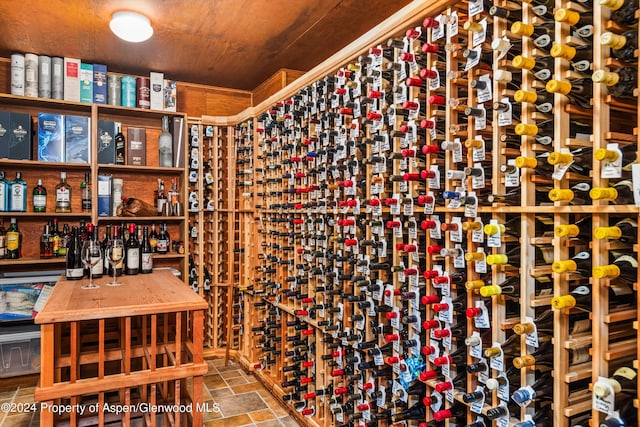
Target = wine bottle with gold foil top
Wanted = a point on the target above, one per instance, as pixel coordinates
(623, 46)
(580, 263)
(620, 83)
(625, 231)
(580, 57)
(578, 91)
(543, 356)
(620, 194)
(542, 34)
(577, 195)
(580, 230)
(578, 297)
(623, 12)
(624, 267)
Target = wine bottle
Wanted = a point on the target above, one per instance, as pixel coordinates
(542, 388)
(580, 264)
(623, 11)
(164, 241)
(132, 252)
(625, 230)
(622, 45)
(542, 356)
(623, 380)
(98, 269)
(543, 322)
(624, 267)
(74, 268)
(580, 230)
(578, 92)
(146, 259)
(576, 195)
(105, 244)
(620, 83)
(620, 194)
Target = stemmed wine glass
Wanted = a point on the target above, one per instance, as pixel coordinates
(91, 255)
(115, 252)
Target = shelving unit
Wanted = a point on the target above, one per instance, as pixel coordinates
(138, 179)
(288, 310)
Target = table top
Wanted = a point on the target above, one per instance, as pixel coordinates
(158, 292)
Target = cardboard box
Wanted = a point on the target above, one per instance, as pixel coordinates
(136, 146)
(77, 131)
(104, 195)
(20, 136)
(157, 91)
(5, 124)
(86, 82)
(71, 79)
(50, 137)
(170, 95)
(99, 84)
(106, 143)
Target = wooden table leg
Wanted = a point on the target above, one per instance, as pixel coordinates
(46, 368)
(197, 332)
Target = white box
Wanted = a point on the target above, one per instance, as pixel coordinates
(157, 90)
(71, 79)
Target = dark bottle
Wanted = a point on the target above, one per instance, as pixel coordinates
(74, 270)
(415, 412)
(164, 242)
(542, 356)
(46, 244)
(120, 147)
(105, 244)
(117, 234)
(14, 240)
(580, 263)
(132, 251)
(622, 46)
(542, 389)
(98, 269)
(146, 258)
(628, 416)
(622, 11)
(620, 83)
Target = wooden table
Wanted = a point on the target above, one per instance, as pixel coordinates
(128, 345)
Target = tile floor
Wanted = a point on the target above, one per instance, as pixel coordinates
(242, 400)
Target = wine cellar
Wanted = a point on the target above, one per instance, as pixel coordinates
(437, 226)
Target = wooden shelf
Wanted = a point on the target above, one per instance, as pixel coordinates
(141, 169)
(45, 103)
(32, 261)
(21, 164)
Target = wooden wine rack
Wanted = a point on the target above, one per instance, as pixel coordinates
(257, 289)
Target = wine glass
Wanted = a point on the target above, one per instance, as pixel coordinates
(115, 251)
(91, 255)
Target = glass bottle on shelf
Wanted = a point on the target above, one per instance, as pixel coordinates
(46, 243)
(165, 145)
(63, 195)
(14, 240)
(85, 190)
(18, 194)
(39, 197)
(120, 147)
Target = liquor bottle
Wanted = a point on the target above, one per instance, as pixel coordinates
(39, 198)
(98, 269)
(85, 191)
(625, 230)
(14, 240)
(18, 194)
(165, 145)
(3, 240)
(153, 239)
(63, 195)
(74, 268)
(164, 242)
(46, 243)
(620, 83)
(63, 239)
(132, 252)
(4, 193)
(622, 45)
(120, 147)
(146, 260)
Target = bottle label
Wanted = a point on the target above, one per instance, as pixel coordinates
(17, 197)
(3, 194)
(98, 268)
(57, 246)
(13, 241)
(163, 245)
(133, 258)
(3, 246)
(75, 273)
(39, 201)
(63, 197)
(147, 262)
(86, 204)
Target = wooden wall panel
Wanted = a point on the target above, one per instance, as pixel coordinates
(274, 83)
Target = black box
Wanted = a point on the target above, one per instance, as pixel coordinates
(5, 124)
(106, 143)
(20, 136)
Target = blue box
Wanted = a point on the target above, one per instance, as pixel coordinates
(51, 137)
(99, 84)
(76, 141)
(104, 195)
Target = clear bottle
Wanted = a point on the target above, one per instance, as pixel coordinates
(63, 195)
(39, 197)
(165, 145)
(98, 269)
(18, 194)
(85, 190)
(4, 193)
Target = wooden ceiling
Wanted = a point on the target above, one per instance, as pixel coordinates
(228, 43)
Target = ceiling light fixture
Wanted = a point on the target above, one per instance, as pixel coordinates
(131, 26)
